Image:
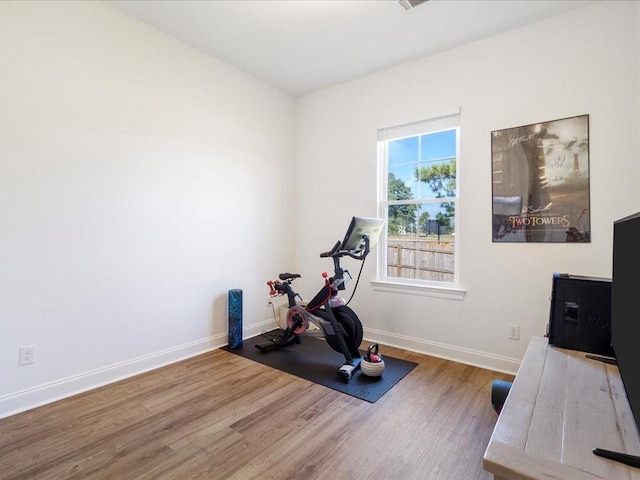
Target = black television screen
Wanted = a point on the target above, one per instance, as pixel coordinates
(625, 308)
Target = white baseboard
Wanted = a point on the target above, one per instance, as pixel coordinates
(38, 395)
(449, 352)
(21, 401)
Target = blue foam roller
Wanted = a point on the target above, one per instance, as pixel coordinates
(234, 314)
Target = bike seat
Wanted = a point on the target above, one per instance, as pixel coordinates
(288, 276)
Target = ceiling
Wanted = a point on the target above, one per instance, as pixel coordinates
(301, 46)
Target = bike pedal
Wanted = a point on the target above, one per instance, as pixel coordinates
(346, 371)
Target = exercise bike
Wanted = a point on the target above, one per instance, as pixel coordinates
(338, 324)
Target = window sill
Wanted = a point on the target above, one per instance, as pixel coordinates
(451, 293)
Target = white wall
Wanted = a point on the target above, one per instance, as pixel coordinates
(583, 62)
(140, 179)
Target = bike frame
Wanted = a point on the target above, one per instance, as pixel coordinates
(298, 317)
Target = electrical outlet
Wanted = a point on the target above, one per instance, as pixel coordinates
(27, 355)
(514, 332)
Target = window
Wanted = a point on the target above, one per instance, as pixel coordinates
(418, 195)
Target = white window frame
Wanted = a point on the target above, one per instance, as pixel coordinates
(451, 290)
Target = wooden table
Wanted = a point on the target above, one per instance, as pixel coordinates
(560, 407)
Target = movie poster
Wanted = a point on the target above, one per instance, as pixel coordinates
(541, 182)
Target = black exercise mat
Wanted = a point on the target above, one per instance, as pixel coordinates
(315, 360)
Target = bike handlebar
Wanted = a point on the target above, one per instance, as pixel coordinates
(336, 252)
(332, 251)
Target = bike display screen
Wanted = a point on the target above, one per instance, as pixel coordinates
(358, 228)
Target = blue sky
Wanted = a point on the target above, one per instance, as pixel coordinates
(408, 153)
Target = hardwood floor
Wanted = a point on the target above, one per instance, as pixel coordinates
(221, 416)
